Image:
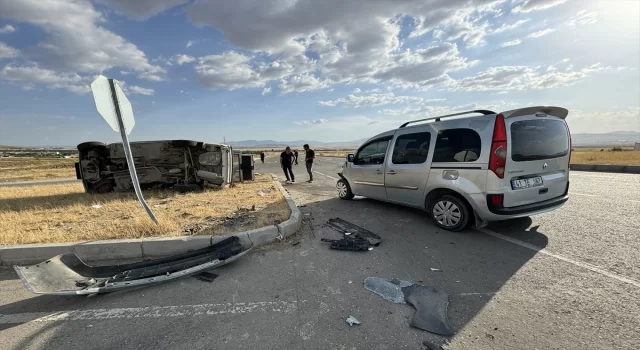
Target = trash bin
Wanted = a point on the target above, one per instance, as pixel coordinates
(247, 167)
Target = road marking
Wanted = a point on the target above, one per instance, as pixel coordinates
(287, 307)
(560, 257)
(331, 177)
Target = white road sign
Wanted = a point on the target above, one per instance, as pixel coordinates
(115, 108)
(104, 103)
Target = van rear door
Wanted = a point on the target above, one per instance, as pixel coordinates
(538, 152)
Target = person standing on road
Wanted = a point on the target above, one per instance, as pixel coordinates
(295, 152)
(308, 160)
(286, 160)
(262, 157)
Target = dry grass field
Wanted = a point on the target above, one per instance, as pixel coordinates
(28, 168)
(589, 156)
(64, 213)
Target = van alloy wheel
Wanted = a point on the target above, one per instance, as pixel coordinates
(447, 213)
(344, 191)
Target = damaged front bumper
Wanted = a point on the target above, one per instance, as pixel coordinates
(67, 274)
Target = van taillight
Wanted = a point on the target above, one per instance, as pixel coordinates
(570, 148)
(495, 200)
(498, 157)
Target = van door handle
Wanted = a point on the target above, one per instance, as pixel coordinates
(391, 172)
(378, 171)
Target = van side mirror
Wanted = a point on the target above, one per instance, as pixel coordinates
(350, 158)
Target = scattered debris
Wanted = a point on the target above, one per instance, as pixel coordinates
(295, 243)
(210, 218)
(185, 215)
(260, 193)
(434, 269)
(345, 226)
(97, 206)
(353, 243)
(67, 274)
(490, 336)
(388, 289)
(431, 309)
(302, 206)
(352, 320)
(206, 276)
(349, 282)
(430, 303)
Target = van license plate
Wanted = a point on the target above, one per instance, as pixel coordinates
(526, 183)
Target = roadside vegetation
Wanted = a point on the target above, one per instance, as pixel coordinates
(36, 168)
(615, 155)
(64, 213)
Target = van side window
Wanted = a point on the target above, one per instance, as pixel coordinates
(457, 145)
(372, 153)
(411, 148)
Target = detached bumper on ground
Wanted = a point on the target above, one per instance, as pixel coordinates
(67, 274)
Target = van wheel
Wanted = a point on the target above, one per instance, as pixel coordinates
(449, 212)
(102, 186)
(344, 191)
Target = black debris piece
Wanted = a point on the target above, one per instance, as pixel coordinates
(353, 243)
(206, 276)
(346, 227)
(431, 309)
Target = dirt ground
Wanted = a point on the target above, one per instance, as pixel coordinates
(64, 213)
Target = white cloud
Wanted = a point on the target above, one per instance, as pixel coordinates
(311, 122)
(536, 5)
(372, 100)
(230, 70)
(142, 9)
(525, 78)
(182, 59)
(7, 51)
(583, 17)
(34, 74)
(140, 90)
(190, 43)
(7, 29)
(581, 121)
(540, 33)
(508, 27)
(357, 91)
(511, 43)
(76, 41)
(266, 90)
(301, 83)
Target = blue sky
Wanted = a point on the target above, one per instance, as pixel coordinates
(318, 70)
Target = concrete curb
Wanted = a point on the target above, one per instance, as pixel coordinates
(607, 168)
(29, 254)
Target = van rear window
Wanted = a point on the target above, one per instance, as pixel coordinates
(538, 139)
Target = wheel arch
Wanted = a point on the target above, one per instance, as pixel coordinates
(441, 191)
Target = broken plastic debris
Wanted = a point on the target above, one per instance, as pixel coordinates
(370, 248)
(434, 269)
(347, 233)
(388, 289)
(431, 309)
(261, 194)
(350, 282)
(352, 320)
(97, 206)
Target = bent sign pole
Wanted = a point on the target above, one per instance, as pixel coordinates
(114, 106)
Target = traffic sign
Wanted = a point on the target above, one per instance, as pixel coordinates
(104, 103)
(114, 106)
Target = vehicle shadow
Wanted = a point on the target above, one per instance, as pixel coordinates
(472, 267)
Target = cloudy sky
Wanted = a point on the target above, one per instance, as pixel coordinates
(329, 70)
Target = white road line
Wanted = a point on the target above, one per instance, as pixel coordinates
(560, 257)
(152, 312)
(331, 177)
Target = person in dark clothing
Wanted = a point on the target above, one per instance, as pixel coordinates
(262, 157)
(308, 161)
(295, 152)
(286, 160)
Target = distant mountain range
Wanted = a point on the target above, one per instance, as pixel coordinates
(616, 138)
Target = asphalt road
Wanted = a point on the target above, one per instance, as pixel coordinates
(564, 280)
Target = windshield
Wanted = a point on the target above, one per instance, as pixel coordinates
(538, 139)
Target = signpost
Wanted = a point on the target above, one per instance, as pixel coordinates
(114, 106)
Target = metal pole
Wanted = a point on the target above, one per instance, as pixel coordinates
(127, 152)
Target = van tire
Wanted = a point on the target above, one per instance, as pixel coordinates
(102, 186)
(344, 190)
(87, 146)
(453, 205)
(183, 143)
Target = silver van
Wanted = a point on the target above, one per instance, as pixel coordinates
(476, 165)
